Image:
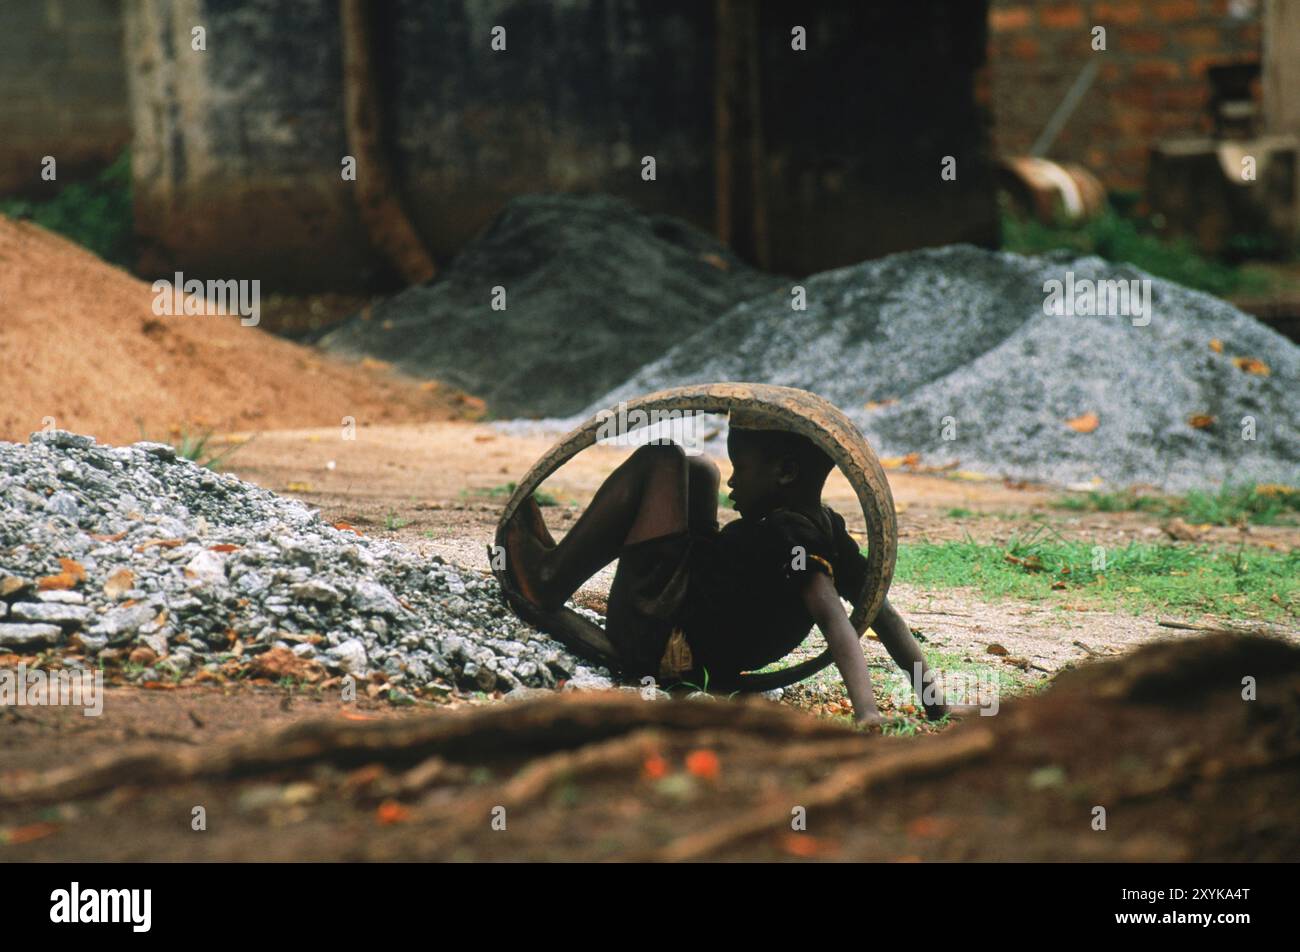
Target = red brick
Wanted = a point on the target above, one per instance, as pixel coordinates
(1156, 71)
(1002, 19)
(1066, 17)
(1139, 41)
(1117, 12)
(1191, 98)
(1197, 65)
(1024, 48)
(1171, 11)
(1201, 38)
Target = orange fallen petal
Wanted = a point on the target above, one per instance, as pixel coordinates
(390, 812)
(63, 580)
(703, 764)
(1216, 345)
(1251, 365)
(655, 767)
(1085, 423)
(801, 844)
(26, 834)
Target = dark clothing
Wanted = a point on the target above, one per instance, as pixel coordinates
(734, 593)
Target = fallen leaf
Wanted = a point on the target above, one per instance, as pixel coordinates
(703, 764)
(283, 663)
(655, 767)
(143, 655)
(930, 826)
(1030, 563)
(877, 404)
(222, 547)
(26, 834)
(1216, 345)
(1180, 530)
(1200, 421)
(119, 583)
(996, 649)
(1058, 586)
(390, 812)
(805, 845)
(63, 580)
(1251, 365)
(1085, 423)
(165, 543)
(115, 537)
(345, 527)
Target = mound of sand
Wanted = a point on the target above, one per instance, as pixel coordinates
(79, 342)
(594, 289)
(949, 353)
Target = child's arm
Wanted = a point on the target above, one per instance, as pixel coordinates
(823, 603)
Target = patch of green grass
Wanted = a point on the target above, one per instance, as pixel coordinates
(1269, 504)
(1139, 577)
(1126, 240)
(959, 513)
(392, 522)
(500, 492)
(96, 215)
(724, 502)
(195, 447)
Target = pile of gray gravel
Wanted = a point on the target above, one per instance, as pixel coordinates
(954, 348)
(593, 290)
(209, 554)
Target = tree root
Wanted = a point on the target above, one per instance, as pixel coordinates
(562, 722)
(850, 780)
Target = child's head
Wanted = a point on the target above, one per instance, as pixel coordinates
(771, 468)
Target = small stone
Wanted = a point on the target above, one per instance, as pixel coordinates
(207, 567)
(124, 620)
(161, 451)
(29, 635)
(69, 616)
(62, 597)
(350, 656)
(317, 591)
(374, 599)
(63, 503)
(13, 585)
(63, 439)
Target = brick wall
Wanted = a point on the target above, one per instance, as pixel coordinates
(1152, 83)
(64, 91)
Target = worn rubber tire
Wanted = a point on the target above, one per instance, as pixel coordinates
(787, 409)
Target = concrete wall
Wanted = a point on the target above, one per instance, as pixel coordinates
(237, 148)
(64, 84)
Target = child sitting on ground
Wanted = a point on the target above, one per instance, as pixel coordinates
(689, 599)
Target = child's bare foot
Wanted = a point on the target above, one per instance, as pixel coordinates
(936, 712)
(525, 555)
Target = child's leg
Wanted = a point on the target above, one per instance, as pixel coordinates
(645, 497)
(896, 635)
